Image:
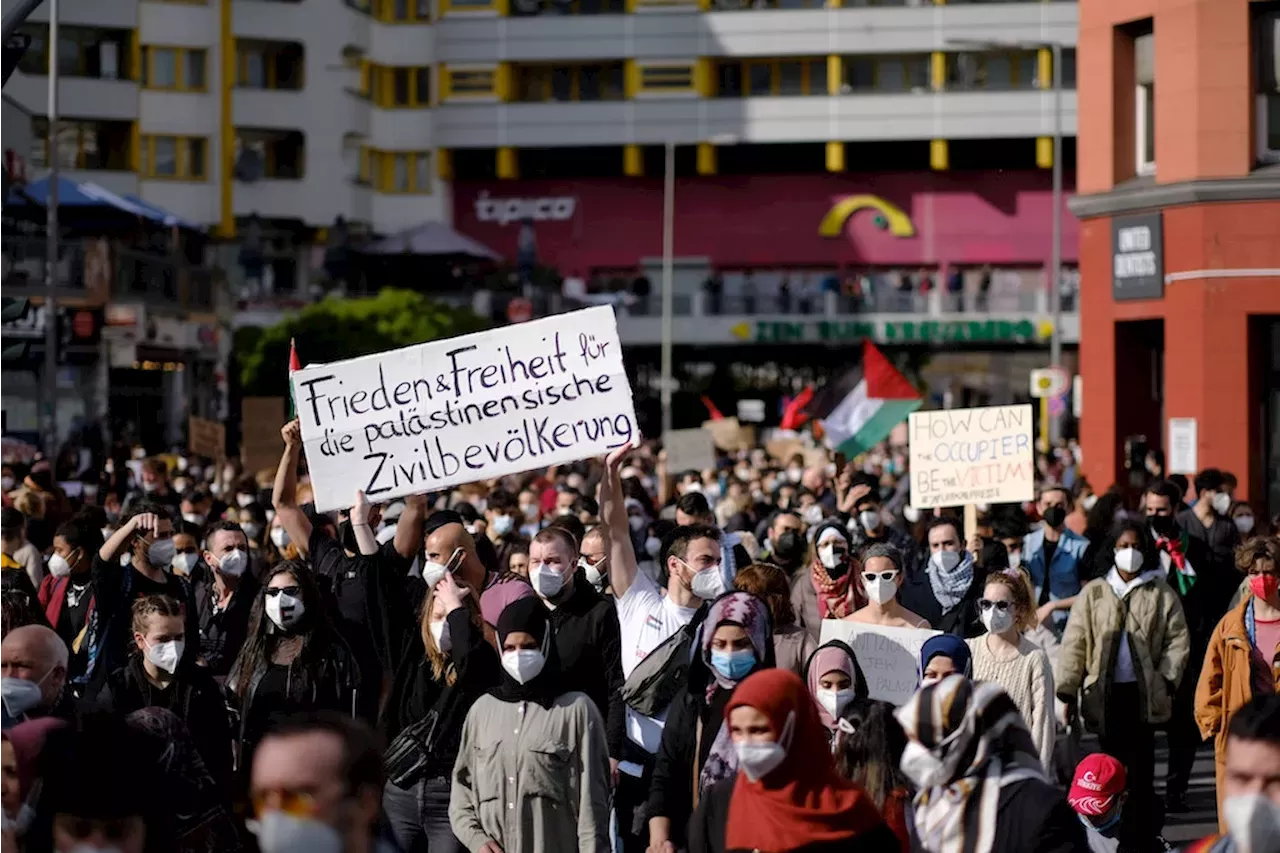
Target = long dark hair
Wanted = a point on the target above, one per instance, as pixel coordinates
(1106, 556)
(869, 745)
(314, 628)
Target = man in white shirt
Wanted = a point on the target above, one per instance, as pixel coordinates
(648, 616)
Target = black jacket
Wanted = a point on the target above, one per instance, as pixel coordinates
(416, 691)
(709, 821)
(116, 587)
(917, 596)
(589, 642)
(193, 696)
(222, 633)
(1034, 817)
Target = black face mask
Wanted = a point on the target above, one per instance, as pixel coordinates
(1054, 516)
(789, 549)
(1161, 525)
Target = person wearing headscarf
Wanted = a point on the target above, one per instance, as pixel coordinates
(190, 814)
(734, 640)
(19, 756)
(868, 750)
(834, 680)
(785, 794)
(823, 590)
(943, 655)
(980, 786)
(533, 767)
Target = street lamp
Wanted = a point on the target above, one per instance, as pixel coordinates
(668, 264)
(1055, 251)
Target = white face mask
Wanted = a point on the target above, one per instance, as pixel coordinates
(1015, 559)
(834, 701)
(284, 610)
(1254, 822)
(243, 501)
(432, 572)
(19, 695)
(910, 514)
(870, 520)
(1129, 560)
(595, 574)
(828, 557)
(997, 621)
(944, 561)
(652, 547)
(1221, 503)
(502, 524)
(523, 664)
(812, 514)
(183, 563)
(160, 553)
(921, 766)
(1244, 523)
(196, 518)
(547, 582)
(1088, 501)
(279, 537)
(279, 832)
(707, 584)
(233, 563)
(758, 760)
(440, 633)
(166, 655)
(880, 591)
(58, 566)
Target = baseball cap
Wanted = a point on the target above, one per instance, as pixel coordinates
(1098, 779)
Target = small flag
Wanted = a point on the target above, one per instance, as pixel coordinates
(859, 409)
(294, 364)
(793, 410)
(712, 412)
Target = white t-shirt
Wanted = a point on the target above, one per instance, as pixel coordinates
(646, 618)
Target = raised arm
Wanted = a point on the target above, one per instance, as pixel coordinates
(408, 541)
(359, 518)
(613, 512)
(284, 496)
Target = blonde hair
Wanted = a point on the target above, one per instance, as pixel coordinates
(442, 666)
(1019, 585)
(154, 605)
(29, 503)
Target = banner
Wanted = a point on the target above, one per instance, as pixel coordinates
(889, 657)
(434, 415)
(968, 456)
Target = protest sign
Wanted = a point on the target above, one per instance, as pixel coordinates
(730, 435)
(434, 415)
(260, 441)
(969, 456)
(889, 657)
(206, 437)
(689, 450)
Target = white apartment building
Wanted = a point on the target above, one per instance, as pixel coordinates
(304, 111)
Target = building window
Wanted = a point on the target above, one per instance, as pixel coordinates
(180, 158)
(396, 171)
(82, 52)
(472, 82)
(994, 72)
(597, 82)
(178, 69)
(1267, 52)
(529, 8)
(1145, 104)
(276, 154)
(269, 64)
(487, 6)
(765, 77)
(83, 144)
(392, 86)
(403, 11)
(908, 73)
(668, 79)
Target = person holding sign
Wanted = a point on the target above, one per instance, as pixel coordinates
(946, 593)
(881, 578)
(1004, 656)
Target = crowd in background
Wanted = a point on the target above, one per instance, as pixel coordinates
(616, 655)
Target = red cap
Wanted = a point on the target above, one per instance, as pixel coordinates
(1098, 779)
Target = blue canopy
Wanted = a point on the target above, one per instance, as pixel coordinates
(88, 194)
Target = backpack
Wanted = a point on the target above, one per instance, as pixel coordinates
(656, 679)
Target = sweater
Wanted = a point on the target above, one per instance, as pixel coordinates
(1028, 679)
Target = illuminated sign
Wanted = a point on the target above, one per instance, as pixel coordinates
(888, 216)
(1025, 330)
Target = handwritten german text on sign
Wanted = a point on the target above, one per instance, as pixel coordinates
(889, 657)
(434, 415)
(970, 456)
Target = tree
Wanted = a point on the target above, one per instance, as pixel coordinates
(337, 329)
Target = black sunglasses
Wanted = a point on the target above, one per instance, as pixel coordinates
(273, 591)
(1002, 606)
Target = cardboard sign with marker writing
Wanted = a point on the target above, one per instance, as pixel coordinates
(260, 442)
(434, 415)
(889, 657)
(206, 437)
(970, 456)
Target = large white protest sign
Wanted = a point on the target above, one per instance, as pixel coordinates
(434, 415)
(969, 456)
(889, 657)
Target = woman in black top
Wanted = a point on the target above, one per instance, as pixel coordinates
(292, 661)
(445, 668)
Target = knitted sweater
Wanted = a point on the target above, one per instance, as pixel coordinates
(1028, 679)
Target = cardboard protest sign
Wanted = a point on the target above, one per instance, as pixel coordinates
(434, 415)
(206, 437)
(889, 657)
(689, 449)
(970, 456)
(260, 441)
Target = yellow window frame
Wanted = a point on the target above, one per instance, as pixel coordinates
(492, 6)
(377, 83)
(667, 78)
(268, 51)
(182, 153)
(180, 55)
(473, 79)
(545, 75)
(385, 11)
(378, 168)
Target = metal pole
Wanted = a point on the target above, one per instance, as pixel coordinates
(1055, 255)
(50, 378)
(668, 297)
(18, 14)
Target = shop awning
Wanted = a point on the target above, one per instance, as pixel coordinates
(431, 238)
(88, 194)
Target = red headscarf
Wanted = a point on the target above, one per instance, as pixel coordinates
(804, 800)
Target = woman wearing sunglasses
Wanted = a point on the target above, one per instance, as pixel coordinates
(293, 660)
(1004, 656)
(881, 578)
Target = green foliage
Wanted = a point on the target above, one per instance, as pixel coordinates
(337, 329)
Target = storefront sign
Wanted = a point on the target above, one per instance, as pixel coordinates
(505, 211)
(1023, 331)
(1137, 257)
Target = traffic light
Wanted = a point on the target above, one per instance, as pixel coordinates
(13, 311)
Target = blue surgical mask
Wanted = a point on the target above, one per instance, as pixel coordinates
(736, 665)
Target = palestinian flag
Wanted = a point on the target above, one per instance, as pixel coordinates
(858, 409)
(294, 364)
